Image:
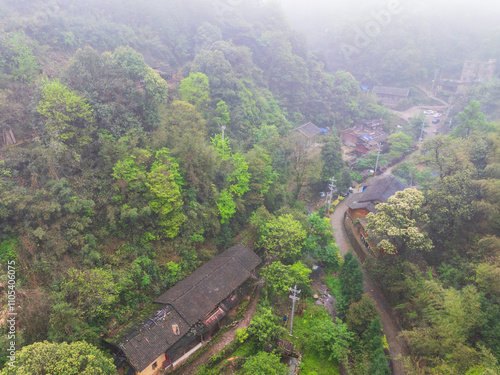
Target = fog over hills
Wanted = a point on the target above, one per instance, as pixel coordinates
(442, 32)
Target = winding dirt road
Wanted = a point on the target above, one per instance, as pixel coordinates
(397, 344)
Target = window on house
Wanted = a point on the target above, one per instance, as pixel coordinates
(155, 365)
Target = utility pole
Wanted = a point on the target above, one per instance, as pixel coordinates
(294, 298)
(331, 186)
(223, 127)
(378, 155)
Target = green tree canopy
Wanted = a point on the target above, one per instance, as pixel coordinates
(416, 126)
(159, 181)
(92, 292)
(471, 120)
(78, 358)
(195, 89)
(264, 363)
(17, 56)
(330, 339)
(395, 227)
(262, 175)
(360, 314)
(281, 277)
(451, 204)
(283, 236)
(399, 143)
(333, 164)
(450, 319)
(68, 115)
(351, 283)
(265, 327)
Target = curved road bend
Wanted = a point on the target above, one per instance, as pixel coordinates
(397, 345)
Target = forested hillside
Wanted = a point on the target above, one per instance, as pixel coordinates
(150, 136)
(120, 182)
(398, 42)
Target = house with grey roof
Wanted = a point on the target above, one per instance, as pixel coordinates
(309, 133)
(390, 95)
(186, 316)
(365, 198)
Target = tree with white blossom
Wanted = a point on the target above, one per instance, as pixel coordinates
(396, 227)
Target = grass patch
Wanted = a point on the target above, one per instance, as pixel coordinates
(8, 249)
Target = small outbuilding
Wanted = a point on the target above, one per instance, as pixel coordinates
(309, 132)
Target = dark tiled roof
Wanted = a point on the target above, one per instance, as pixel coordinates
(147, 343)
(186, 303)
(309, 130)
(378, 189)
(199, 293)
(396, 91)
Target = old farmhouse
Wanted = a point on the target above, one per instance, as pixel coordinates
(390, 95)
(186, 315)
(364, 199)
(309, 133)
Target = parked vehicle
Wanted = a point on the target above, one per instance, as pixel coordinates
(435, 121)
